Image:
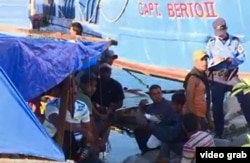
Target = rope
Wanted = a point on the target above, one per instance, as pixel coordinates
(92, 16)
(98, 4)
(117, 17)
(138, 79)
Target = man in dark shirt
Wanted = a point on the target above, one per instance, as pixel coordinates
(171, 135)
(109, 92)
(160, 108)
(107, 98)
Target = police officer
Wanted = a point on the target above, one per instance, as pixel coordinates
(226, 54)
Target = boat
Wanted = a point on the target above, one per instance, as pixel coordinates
(171, 33)
(156, 38)
(170, 30)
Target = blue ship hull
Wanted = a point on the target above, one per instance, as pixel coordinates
(156, 33)
(163, 33)
(14, 13)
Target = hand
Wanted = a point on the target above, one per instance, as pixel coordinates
(228, 59)
(112, 106)
(96, 105)
(143, 103)
(211, 125)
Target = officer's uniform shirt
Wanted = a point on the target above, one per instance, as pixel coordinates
(230, 48)
(81, 115)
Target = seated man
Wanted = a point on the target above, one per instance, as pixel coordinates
(172, 136)
(196, 138)
(159, 109)
(78, 133)
(88, 82)
(107, 98)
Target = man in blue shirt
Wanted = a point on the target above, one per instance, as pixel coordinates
(226, 53)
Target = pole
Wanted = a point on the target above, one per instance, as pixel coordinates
(65, 104)
(32, 10)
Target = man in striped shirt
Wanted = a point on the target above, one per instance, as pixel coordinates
(196, 138)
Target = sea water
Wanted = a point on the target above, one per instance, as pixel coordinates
(122, 145)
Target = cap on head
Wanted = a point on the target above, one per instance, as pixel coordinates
(111, 54)
(219, 26)
(199, 55)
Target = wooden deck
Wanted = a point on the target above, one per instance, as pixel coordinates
(174, 74)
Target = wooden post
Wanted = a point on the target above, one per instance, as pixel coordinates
(64, 104)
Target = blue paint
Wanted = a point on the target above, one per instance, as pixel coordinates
(14, 13)
(151, 40)
(163, 41)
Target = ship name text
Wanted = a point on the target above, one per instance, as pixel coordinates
(205, 9)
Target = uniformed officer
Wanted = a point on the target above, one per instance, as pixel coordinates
(226, 54)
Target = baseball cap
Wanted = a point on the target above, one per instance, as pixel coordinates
(199, 54)
(220, 26)
(105, 65)
(111, 53)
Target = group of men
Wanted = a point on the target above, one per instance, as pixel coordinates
(214, 74)
(169, 129)
(96, 97)
(183, 123)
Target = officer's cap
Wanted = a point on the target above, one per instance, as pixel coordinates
(219, 26)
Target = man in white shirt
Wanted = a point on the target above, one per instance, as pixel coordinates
(77, 124)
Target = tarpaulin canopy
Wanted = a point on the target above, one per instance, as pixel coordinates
(20, 131)
(35, 65)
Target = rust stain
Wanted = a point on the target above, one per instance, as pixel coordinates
(162, 72)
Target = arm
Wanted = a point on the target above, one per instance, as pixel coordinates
(190, 91)
(208, 116)
(168, 133)
(118, 97)
(96, 112)
(239, 54)
(143, 106)
(86, 128)
(208, 50)
(53, 118)
(72, 127)
(188, 154)
(51, 114)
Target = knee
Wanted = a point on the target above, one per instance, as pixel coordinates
(161, 159)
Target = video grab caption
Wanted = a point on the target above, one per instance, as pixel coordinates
(228, 154)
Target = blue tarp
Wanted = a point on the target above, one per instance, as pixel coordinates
(35, 65)
(20, 131)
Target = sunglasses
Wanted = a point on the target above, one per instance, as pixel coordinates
(221, 27)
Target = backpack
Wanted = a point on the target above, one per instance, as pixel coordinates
(205, 81)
